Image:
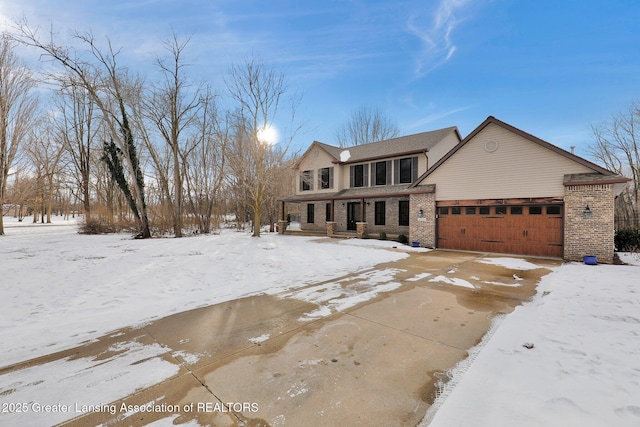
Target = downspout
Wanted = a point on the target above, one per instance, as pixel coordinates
(426, 156)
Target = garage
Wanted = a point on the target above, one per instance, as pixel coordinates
(516, 228)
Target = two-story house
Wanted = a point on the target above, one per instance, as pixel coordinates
(365, 189)
(499, 189)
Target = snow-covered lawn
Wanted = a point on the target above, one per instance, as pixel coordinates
(60, 288)
(583, 369)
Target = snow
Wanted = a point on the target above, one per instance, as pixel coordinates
(583, 369)
(343, 294)
(60, 289)
(63, 288)
(511, 263)
(456, 281)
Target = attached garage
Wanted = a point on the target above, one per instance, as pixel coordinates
(504, 190)
(516, 228)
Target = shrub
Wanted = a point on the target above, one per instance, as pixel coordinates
(403, 239)
(627, 240)
(95, 226)
(383, 235)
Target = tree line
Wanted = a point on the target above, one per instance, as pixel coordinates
(164, 156)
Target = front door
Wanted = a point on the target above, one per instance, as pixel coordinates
(353, 215)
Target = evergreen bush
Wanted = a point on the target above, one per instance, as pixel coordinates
(627, 240)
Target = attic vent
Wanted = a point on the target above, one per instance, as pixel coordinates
(491, 146)
(345, 155)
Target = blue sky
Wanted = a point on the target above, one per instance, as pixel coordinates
(551, 68)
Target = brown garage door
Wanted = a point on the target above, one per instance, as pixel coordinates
(526, 230)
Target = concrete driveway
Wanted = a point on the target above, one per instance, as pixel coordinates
(317, 356)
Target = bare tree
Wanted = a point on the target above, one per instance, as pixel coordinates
(207, 164)
(45, 152)
(77, 127)
(617, 146)
(365, 125)
(171, 109)
(257, 91)
(111, 89)
(18, 106)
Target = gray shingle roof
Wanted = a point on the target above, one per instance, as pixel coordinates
(416, 143)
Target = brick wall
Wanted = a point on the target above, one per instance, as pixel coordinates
(423, 229)
(319, 222)
(589, 236)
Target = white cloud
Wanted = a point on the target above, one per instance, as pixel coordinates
(435, 32)
(435, 116)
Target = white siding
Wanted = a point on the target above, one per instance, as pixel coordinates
(316, 159)
(438, 152)
(518, 168)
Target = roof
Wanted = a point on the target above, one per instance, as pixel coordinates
(492, 120)
(593, 178)
(364, 192)
(395, 147)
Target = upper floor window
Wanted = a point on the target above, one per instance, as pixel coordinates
(306, 181)
(382, 171)
(405, 171)
(325, 178)
(359, 176)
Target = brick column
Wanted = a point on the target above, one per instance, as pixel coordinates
(423, 229)
(282, 226)
(589, 236)
(361, 230)
(331, 228)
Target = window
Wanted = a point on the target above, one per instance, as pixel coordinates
(359, 175)
(535, 210)
(455, 211)
(516, 210)
(470, 211)
(382, 173)
(405, 170)
(553, 210)
(325, 178)
(327, 212)
(403, 212)
(443, 211)
(501, 210)
(310, 213)
(306, 181)
(380, 213)
(484, 210)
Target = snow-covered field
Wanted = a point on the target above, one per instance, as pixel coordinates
(59, 289)
(583, 369)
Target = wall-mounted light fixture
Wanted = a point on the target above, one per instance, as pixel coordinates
(587, 212)
(420, 213)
